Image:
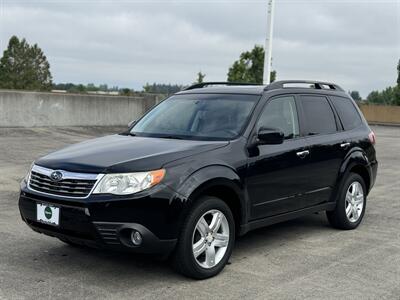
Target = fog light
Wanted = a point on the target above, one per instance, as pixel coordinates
(136, 238)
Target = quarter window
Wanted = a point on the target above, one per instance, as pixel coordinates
(348, 114)
(280, 113)
(319, 117)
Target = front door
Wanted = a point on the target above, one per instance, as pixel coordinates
(277, 173)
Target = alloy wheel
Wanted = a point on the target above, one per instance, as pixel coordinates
(210, 238)
(354, 201)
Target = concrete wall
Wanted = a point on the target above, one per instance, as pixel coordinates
(381, 114)
(34, 109)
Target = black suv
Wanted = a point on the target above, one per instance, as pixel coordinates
(207, 165)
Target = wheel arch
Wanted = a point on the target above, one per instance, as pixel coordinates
(221, 182)
(363, 172)
(355, 162)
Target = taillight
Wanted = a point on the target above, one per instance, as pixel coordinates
(372, 137)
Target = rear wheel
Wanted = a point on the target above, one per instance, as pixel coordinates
(206, 240)
(350, 206)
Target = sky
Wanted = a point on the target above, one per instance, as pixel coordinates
(353, 43)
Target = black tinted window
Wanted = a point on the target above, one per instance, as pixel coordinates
(280, 114)
(319, 117)
(347, 112)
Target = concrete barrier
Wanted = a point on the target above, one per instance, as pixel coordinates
(37, 109)
(381, 114)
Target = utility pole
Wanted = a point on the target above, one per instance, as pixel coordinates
(268, 43)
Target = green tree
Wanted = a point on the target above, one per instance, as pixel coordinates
(250, 67)
(160, 88)
(200, 77)
(396, 95)
(103, 87)
(91, 87)
(387, 97)
(398, 73)
(355, 95)
(390, 95)
(125, 92)
(24, 67)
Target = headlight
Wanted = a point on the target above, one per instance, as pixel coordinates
(128, 183)
(28, 174)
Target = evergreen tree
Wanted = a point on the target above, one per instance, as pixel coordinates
(24, 67)
(200, 77)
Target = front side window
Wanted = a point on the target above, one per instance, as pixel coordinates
(280, 113)
(347, 112)
(318, 114)
(202, 116)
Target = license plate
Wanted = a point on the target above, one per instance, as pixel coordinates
(48, 214)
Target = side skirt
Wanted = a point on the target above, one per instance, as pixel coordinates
(285, 217)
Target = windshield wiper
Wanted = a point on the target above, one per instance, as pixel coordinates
(175, 137)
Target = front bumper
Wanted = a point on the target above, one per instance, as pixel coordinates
(106, 221)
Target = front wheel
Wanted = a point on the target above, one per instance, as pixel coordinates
(351, 203)
(206, 240)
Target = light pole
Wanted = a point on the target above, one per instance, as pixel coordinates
(268, 43)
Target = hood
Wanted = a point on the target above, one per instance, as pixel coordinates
(124, 153)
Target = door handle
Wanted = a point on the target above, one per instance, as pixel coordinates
(302, 154)
(345, 145)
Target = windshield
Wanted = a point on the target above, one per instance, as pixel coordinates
(206, 116)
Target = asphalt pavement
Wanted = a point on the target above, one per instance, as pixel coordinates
(300, 259)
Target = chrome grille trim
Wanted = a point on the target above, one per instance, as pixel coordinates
(72, 185)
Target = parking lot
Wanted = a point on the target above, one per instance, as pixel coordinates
(299, 259)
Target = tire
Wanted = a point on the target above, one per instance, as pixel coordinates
(338, 218)
(195, 232)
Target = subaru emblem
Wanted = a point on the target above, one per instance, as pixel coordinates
(56, 176)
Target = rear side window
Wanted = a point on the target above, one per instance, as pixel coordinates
(348, 114)
(319, 117)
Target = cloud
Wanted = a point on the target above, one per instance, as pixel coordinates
(129, 43)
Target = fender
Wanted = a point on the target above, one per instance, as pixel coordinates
(210, 176)
(356, 157)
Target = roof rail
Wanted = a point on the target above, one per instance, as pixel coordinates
(204, 84)
(319, 85)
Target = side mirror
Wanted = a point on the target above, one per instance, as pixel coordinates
(131, 123)
(270, 136)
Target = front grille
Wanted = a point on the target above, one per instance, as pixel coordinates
(69, 187)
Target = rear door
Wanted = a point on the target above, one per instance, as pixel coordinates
(327, 143)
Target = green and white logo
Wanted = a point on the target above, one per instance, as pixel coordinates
(48, 212)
